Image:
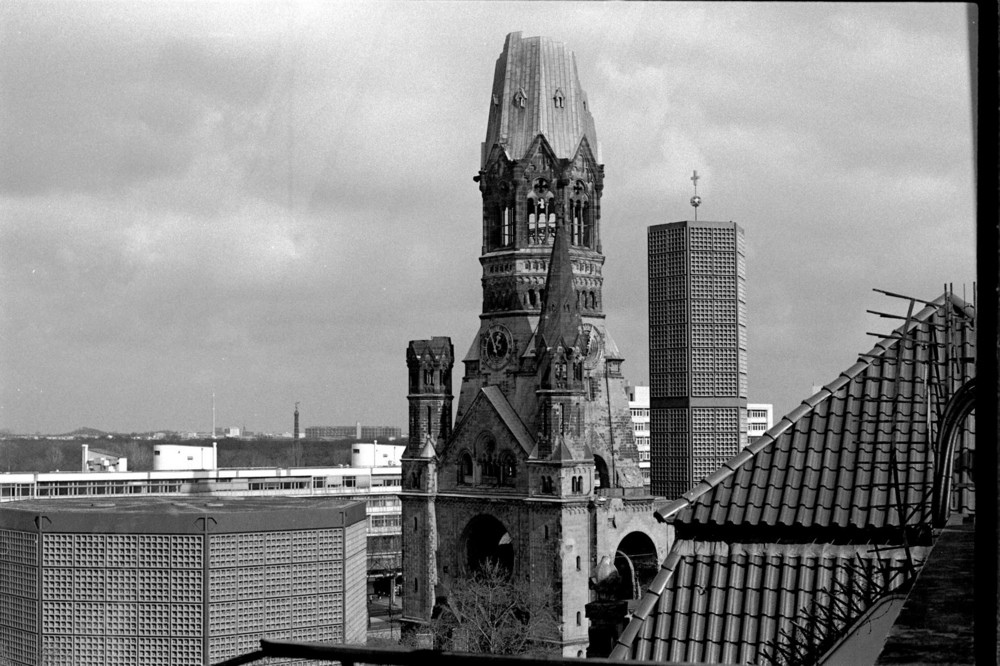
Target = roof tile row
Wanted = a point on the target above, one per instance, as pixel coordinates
(853, 463)
(726, 603)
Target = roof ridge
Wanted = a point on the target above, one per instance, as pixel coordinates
(508, 415)
(728, 468)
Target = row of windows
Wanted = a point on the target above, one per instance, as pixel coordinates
(89, 488)
(500, 224)
(502, 470)
(385, 520)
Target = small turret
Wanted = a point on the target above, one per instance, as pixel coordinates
(429, 364)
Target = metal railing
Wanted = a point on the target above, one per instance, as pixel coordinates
(350, 655)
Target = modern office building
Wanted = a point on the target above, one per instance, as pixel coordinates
(638, 404)
(364, 454)
(697, 351)
(153, 581)
(96, 460)
(174, 456)
(378, 487)
(356, 431)
(760, 418)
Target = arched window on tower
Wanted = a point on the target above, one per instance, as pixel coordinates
(587, 217)
(541, 213)
(465, 468)
(578, 213)
(508, 225)
(508, 469)
(493, 227)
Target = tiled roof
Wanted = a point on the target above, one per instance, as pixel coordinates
(854, 455)
(767, 544)
(728, 603)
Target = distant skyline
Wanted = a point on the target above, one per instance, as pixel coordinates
(269, 200)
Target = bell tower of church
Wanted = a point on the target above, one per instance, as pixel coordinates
(540, 472)
(541, 164)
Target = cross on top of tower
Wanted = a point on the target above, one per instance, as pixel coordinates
(695, 200)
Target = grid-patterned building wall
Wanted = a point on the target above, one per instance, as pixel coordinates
(18, 597)
(355, 585)
(151, 581)
(286, 584)
(697, 351)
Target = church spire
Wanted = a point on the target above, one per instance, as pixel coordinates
(560, 321)
(559, 334)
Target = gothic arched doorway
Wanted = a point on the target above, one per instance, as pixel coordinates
(487, 540)
(637, 564)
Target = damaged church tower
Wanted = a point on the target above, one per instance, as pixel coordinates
(540, 472)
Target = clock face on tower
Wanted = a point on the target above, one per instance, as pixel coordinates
(496, 346)
(595, 345)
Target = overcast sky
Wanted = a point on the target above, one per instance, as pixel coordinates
(268, 201)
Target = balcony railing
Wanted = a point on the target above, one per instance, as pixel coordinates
(350, 655)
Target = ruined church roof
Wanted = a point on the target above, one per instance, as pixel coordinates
(536, 90)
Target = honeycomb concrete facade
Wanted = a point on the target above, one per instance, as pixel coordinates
(154, 581)
(697, 351)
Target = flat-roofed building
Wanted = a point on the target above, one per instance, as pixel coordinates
(378, 487)
(174, 456)
(760, 418)
(638, 405)
(356, 431)
(177, 581)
